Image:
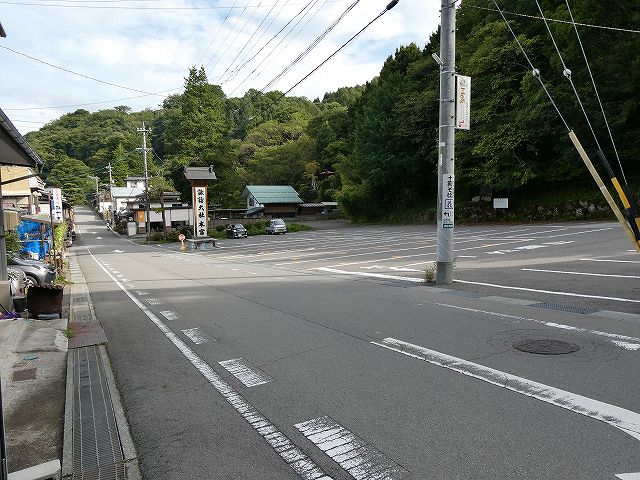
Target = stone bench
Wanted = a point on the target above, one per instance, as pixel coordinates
(205, 243)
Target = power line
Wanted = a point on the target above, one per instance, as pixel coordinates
(590, 25)
(567, 73)
(302, 12)
(225, 40)
(219, 28)
(251, 38)
(75, 73)
(313, 44)
(391, 4)
(114, 7)
(534, 70)
(595, 88)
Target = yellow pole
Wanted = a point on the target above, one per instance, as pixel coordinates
(603, 189)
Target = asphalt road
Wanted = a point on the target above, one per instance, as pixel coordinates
(320, 355)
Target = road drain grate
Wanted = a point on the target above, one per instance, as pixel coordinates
(546, 346)
(565, 308)
(97, 453)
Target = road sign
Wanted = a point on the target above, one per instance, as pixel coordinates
(181, 237)
(463, 102)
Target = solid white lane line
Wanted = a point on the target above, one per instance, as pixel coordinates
(624, 341)
(579, 233)
(290, 453)
(566, 294)
(621, 418)
(629, 476)
(603, 260)
(367, 274)
(169, 315)
(249, 375)
(353, 454)
(578, 273)
(196, 335)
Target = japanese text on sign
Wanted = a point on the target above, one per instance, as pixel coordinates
(463, 102)
(200, 211)
(56, 204)
(448, 182)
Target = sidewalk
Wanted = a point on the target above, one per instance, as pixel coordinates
(62, 410)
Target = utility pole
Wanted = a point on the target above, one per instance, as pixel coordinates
(110, 169)
(144, 150)
(446, 143)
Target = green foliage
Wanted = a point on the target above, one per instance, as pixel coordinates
(59, 233)
(298, 227)
(373, 147)
(12, 241)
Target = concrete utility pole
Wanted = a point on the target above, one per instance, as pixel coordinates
(110, 169)
(446, 143)
(144, 149)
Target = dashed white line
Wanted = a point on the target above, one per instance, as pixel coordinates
(154, 301)
(291, 454)
(604, 260)
(249, 375)
(621, 418)
(169, 315)
(142, 293)
(353, 454)
(196, 335)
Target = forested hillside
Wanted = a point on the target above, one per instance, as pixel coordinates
(373, 147)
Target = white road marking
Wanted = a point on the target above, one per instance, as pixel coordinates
(578, 273)
(196, 335)
(118, 251)
(249, 375)
(98, 238)
(169, 315)
(154, 301)
(291, 454)
(603, 260)
(467, 256)
(142, 293)
(624, 341)
(404, 269)
(621, 418)
(114, 271)
(566, 294)
(365, 274)
(352, 453)
(629, 476)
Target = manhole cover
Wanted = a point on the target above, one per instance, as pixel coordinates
(546, 346)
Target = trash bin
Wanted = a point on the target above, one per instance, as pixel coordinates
(44, 299)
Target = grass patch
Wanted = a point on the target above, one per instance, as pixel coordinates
(67, 333)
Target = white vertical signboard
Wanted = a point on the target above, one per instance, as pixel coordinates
(56, 204)
(463, 102)
(448, 182)
(200, 211)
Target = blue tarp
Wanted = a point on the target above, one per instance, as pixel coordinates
(30, 235)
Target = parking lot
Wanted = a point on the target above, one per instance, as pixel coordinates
(581, 265)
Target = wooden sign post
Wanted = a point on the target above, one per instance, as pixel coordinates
(200, 177)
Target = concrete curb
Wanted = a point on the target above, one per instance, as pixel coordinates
(128, 448)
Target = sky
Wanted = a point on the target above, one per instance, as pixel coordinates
(147, 46)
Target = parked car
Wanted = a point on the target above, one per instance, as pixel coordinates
(236, 230)
(37, 272)
(276, 225)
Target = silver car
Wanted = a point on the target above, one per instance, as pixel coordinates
(38, 273)
(276, 225)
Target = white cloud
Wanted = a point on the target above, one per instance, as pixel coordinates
(152, 49)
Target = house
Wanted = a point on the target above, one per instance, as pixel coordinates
(121, 196)
(176, 213)
(22, 192)
(271, 201)
(134, 182)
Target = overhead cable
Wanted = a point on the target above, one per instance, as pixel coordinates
(225, 40)
(590, 25)
(76, 73)
(535, 72)
(218, 32)
(311, 46)
(567, 74)
(302, 14)
(595, 88)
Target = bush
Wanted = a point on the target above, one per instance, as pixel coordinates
(172, 236)
(187, 231)
(257, 228)
(221, 228)
(12, 241)
(298, 227)
(157, 236)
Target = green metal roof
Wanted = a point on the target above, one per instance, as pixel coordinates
(265, 194)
